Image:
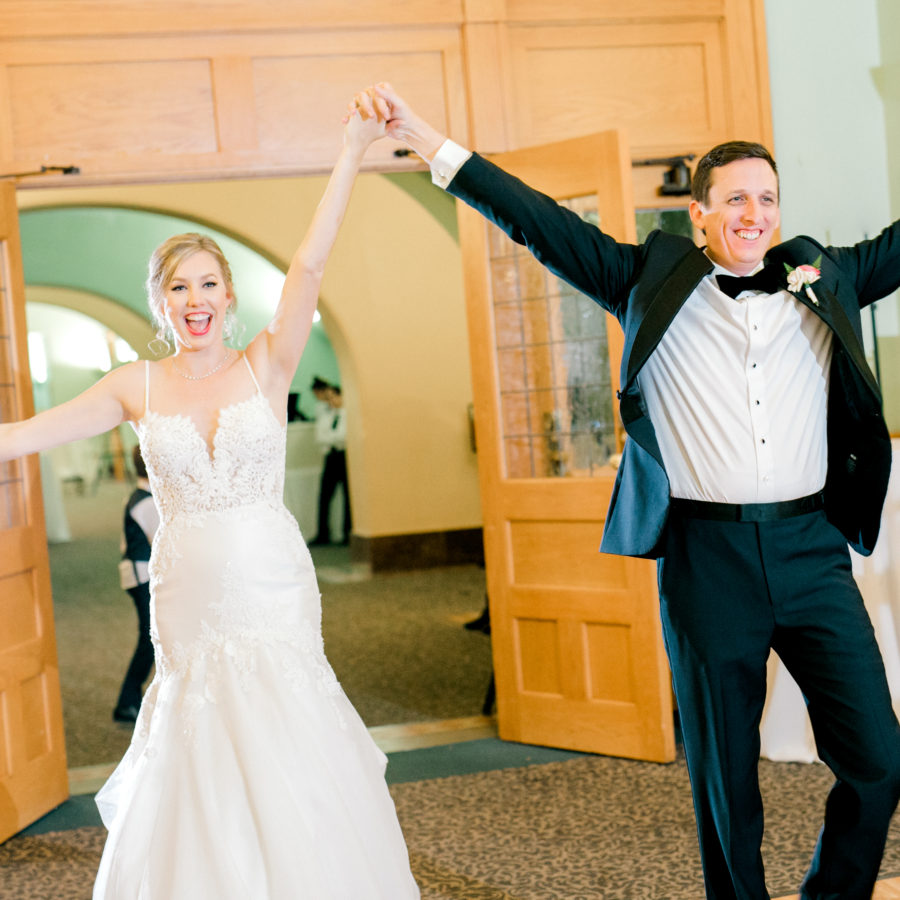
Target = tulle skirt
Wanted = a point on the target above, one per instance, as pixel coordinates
(250, 776)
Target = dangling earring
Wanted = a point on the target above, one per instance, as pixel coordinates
(160, 345)
(233, 329)
(230, 324)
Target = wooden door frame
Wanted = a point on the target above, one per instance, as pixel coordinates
(33, 773)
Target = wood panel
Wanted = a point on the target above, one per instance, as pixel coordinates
(164, 90)
(135, 108)
(747, 71)
(32, 752)
(48, 102)
(652, 80)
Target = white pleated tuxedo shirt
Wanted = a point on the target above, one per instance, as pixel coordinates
(737, 390)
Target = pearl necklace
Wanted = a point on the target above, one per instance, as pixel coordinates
(212, 371)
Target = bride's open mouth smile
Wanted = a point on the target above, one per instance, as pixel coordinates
(198, 324)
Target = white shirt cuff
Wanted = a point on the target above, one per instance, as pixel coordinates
(447, 162)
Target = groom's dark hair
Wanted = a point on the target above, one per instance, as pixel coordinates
(721, 155)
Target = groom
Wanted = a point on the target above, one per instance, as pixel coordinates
(757, 451)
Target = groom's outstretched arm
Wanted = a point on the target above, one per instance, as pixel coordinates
(576, 251)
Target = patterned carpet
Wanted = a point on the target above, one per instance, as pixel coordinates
(589, 828)
(585, 828)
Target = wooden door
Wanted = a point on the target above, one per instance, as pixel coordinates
(578, 654)
(33, 778)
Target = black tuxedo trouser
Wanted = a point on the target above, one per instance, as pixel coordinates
(334, 474)
(729, 591)
(142, 660)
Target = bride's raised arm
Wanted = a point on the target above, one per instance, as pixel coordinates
(277, 349)
(114, 399)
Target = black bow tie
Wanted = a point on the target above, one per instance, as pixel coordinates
(765, 280)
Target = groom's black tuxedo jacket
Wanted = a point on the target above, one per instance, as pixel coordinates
(644, 287)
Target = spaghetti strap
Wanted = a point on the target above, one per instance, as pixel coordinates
(250, 370)
(146, 386)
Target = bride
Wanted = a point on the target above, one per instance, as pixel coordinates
(249, 774)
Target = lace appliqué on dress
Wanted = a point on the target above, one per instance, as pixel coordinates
(246, 465)
(195, 491)
(241, 629)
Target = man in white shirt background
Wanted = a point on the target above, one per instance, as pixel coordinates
(331, 438)
(757, 451)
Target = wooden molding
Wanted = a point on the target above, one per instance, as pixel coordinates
(154, 90)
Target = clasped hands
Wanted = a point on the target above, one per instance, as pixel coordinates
(382, 103)
(371, 102)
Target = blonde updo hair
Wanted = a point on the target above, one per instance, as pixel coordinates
(166, 258)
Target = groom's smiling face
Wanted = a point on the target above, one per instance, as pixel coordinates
(740, 215)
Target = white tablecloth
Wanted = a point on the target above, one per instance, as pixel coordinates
(785, 730)
(302, 480)
(56, 521)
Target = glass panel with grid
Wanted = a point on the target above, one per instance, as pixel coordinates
(12, 488)
(553, 363)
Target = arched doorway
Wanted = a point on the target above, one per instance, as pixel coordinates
(86, 313)
(416, 389)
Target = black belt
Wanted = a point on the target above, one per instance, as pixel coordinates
(747, 512)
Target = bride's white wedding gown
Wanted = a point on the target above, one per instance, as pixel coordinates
(250, 776)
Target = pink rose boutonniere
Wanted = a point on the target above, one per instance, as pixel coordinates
(803, 276)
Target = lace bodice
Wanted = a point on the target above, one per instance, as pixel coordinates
(246, 464)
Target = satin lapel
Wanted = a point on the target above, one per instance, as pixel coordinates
(829, 309)
(826, 306)
(662, 309)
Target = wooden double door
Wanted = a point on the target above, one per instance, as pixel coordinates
(578, 655)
